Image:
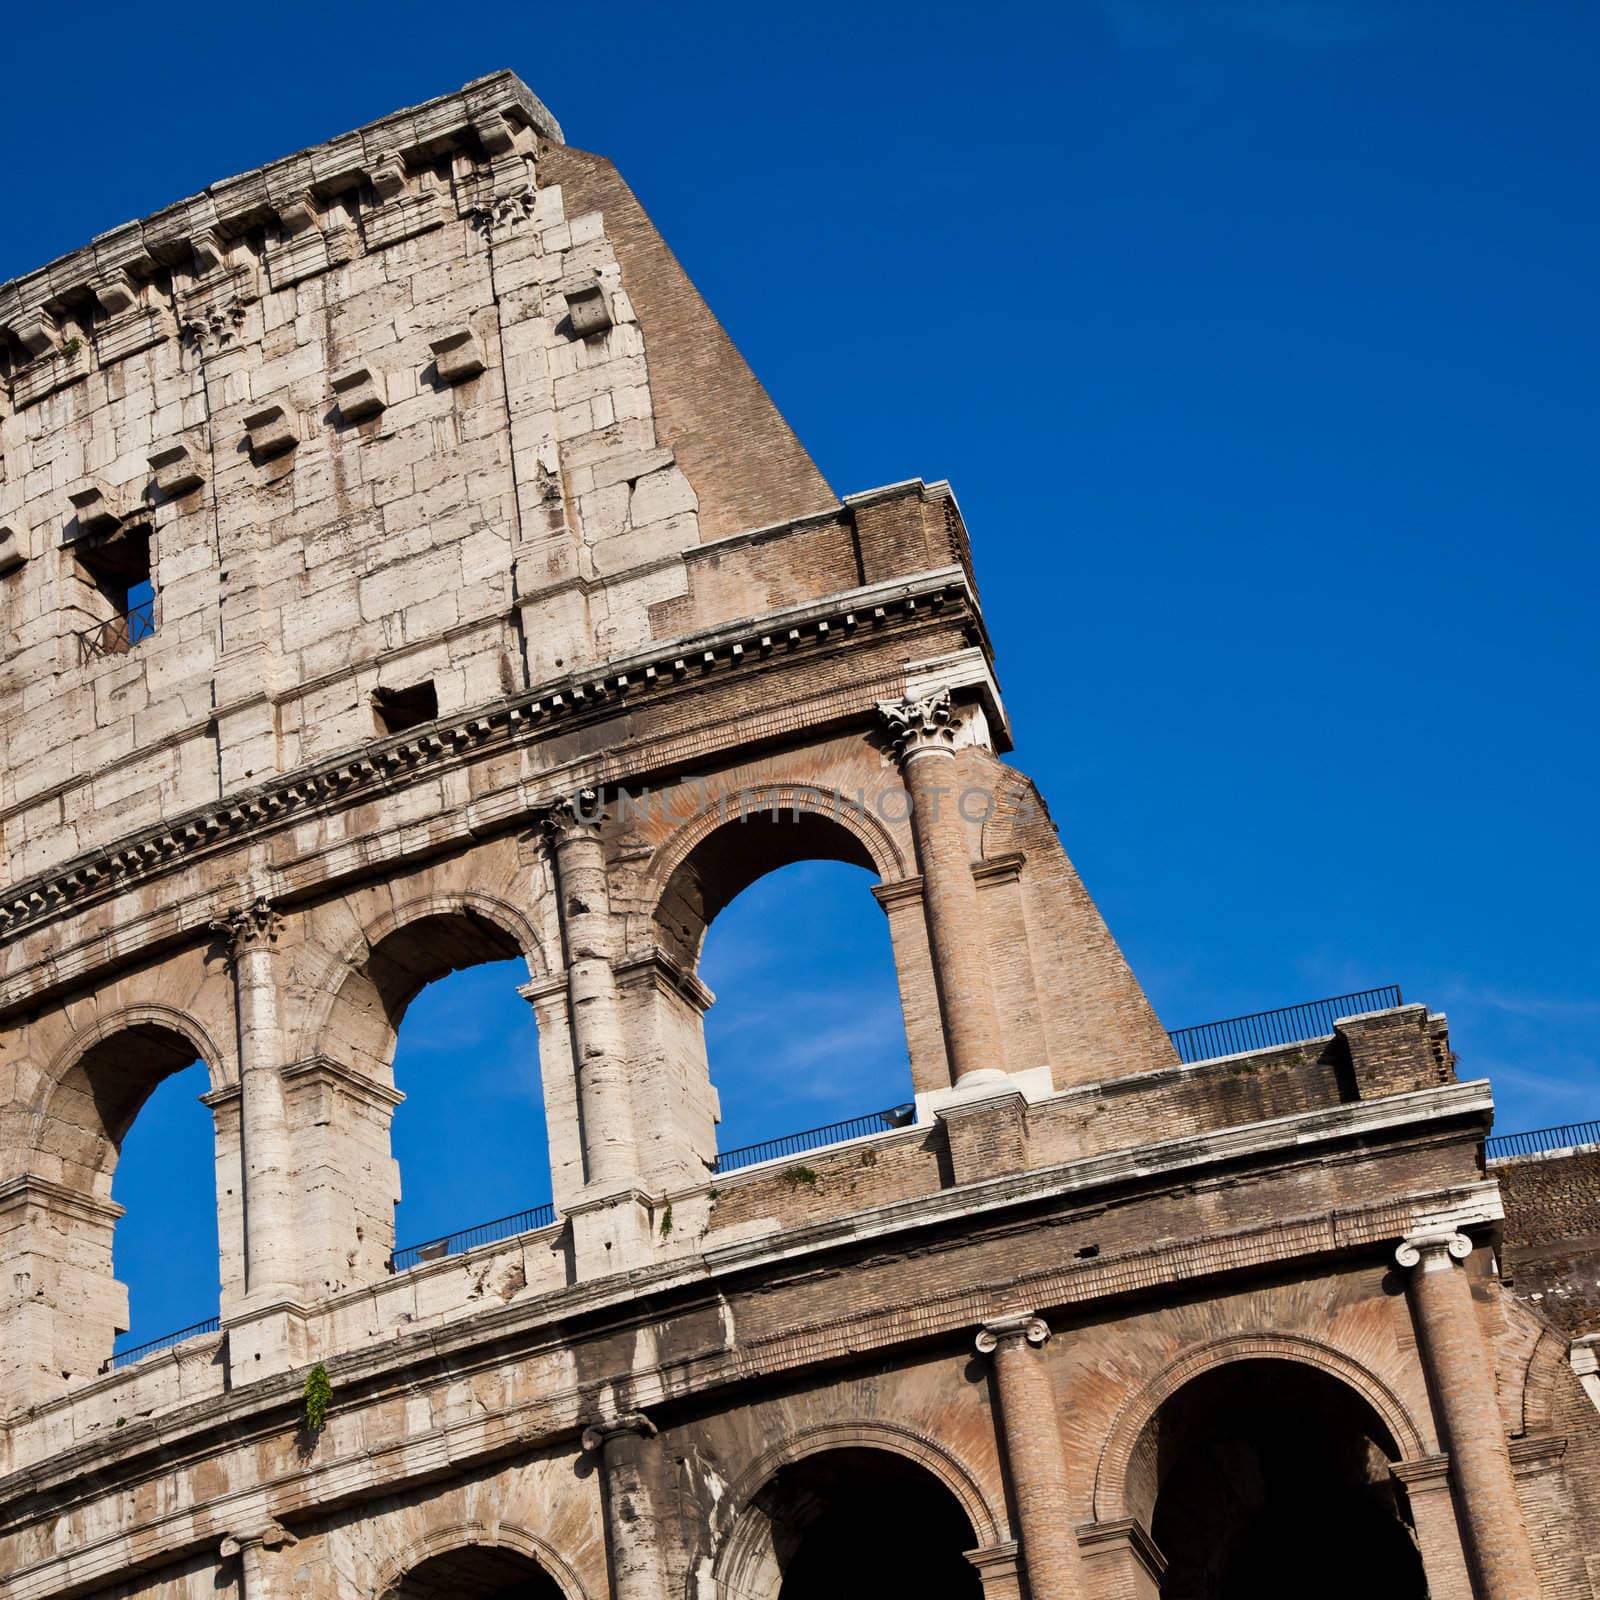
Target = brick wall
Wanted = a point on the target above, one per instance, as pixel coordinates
(1552, 1235)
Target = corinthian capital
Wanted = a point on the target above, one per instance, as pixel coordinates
(574, 816)
(248, 928)
(1025, 1327)
(917, 725)
(596, 1434)
(1433, 1249)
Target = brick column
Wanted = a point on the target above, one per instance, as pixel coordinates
(269, 1221)
(594, 1016)
(1035, 1461)
(1461, 1381)
(924, 734)
(630, 1455)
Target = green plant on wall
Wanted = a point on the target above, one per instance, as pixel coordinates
(319, 1396)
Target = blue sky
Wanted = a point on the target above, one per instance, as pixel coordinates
(1258, 342)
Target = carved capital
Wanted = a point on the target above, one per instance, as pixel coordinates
(596, 1434)
(574, 816)
(918, 725)
(274, 1536)
(1433, 1250)
(252, 927)
(1024, 1327)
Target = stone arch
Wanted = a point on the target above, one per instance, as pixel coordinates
(367, 985)
(1118, 1457)
(1547, 1367)
(696, 871)
(454, 1536)
(84, 1105)
(745, 1565)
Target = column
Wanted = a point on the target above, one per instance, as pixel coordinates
(255, 1566)
(630, 1456)
(924, 733)
(269, 1252)
(1460, 1375)
(1035, 1462)
(594, 1016)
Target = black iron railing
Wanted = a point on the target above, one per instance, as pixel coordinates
(793, 1144)
(452, 1244)
(1541, 1139)
(120, 634)
(126, 1358)
(1289, 1025)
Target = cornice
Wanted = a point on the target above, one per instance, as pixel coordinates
(450, 742)
(482, 115)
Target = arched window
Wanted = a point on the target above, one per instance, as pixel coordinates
(807, 1028)
(443, 1128)
(849, 1522)
(167, 1243)
(165, 1246)
(477, 1572)
(470, 1135)
(1272, 1476)
(774, 911)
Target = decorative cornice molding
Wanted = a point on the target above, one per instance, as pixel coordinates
(50, 1196)
(395, 763)
(498, 118)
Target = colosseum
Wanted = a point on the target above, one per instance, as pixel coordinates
(376, 528)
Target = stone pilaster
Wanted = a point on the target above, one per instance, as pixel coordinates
(924, 733)
(1035, 1462)
(629, 1449)
(269, 1224)
(610, 1209)
(1460, 1375)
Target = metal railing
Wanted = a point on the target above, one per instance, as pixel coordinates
(452, 1244)
(119, 635)
(1289, 1025)
(126, 1358)
(1541, 1140)
(793, 1144)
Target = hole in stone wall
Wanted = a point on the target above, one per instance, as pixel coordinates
(470, 1136)
(399, 709)
(165, 1248)
(807, 1027)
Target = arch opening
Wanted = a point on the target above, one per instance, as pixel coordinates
(477, 1572)
(151, 1219)
(429, 1057)
(774, 910)
(848, 1523)
(1261, 1476)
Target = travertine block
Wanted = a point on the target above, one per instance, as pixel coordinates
(96, 507)
(588, 310)
(12, 553)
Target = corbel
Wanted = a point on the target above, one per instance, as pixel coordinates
(360, 393)
(37, 332)
(115, 291)
(95, 508)
(457, 356)
(176, 471)
(12, 553)
(588, 310)
(209, 249)
(272, 430)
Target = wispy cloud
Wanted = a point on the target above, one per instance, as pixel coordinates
(1303, 24)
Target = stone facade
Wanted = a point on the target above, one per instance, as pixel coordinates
(466, 526)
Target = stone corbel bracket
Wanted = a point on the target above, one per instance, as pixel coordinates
(13, 549)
